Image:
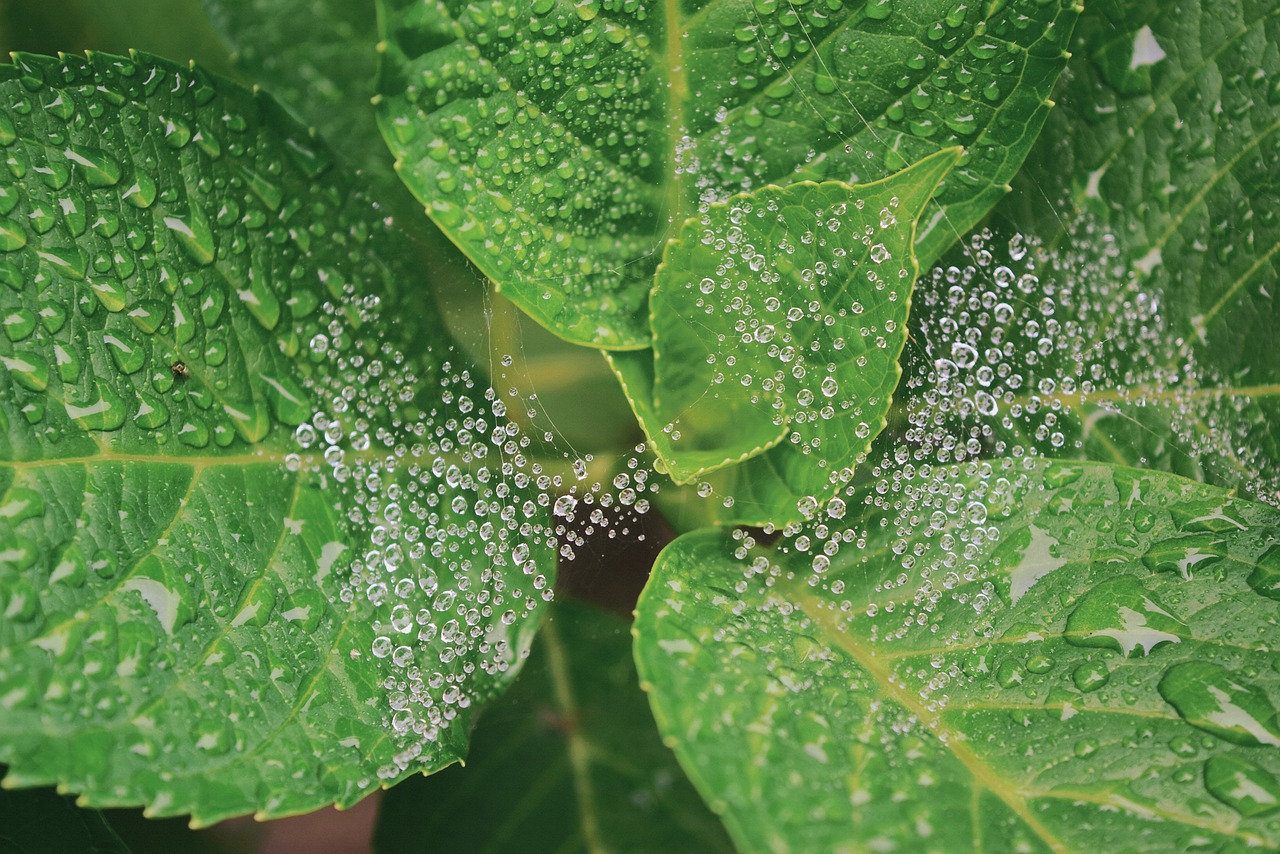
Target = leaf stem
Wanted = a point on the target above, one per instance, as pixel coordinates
(579, 750)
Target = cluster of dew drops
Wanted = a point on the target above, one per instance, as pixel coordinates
(462, 514)
(1008, 352)
(792, 352)
(1015, 355)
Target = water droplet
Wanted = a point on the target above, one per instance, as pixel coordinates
(29, 371)
(194, 235)
(142, 193)
(1090, 676)
(1242, 785)
(12, 236)
(878, 10)
(125, 352)
(1265, 578)
(1212, 698)
(104, 410)
(1185, 556)
(1120, 614)
(99, 168)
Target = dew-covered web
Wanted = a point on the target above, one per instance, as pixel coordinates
(601, 493)
(1026, 352)
(469, 496)
(1017, 354)
(1021, 355)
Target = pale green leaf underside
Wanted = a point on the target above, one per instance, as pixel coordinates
(778, 319)
(1168, 131)
(318, 60)
(1103, 678)
(190, 589)
(568, 760)
(560, 143)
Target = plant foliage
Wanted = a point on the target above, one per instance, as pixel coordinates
(199, 509)
(269, 541)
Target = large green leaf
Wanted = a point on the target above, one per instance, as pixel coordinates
(255, 557)
(778, 319)
(1167, 135)
(1009, 656)
(568, 760)
(561, 143)
(40, 821)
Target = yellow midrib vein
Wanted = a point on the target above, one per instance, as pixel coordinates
(981, 772)
(263, 457)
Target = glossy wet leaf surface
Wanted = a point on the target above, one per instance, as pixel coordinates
(568, 760)
(1166, 135)
(254, 557)
(1019, 656)
(778, 319)
(561, 143)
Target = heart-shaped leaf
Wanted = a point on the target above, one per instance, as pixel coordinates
(560, 143)
(778, 320)
(255, 554)
(1015, 655)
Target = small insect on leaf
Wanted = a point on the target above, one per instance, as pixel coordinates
(180, 371)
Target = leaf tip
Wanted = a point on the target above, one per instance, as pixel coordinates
(919, 181)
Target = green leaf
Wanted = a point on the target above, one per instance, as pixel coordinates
(783, 337)
(1015, 655)
(561, 144)
(568, 760)
(1166, 135)
(40, 821)
(255, 555)
(318, 60)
